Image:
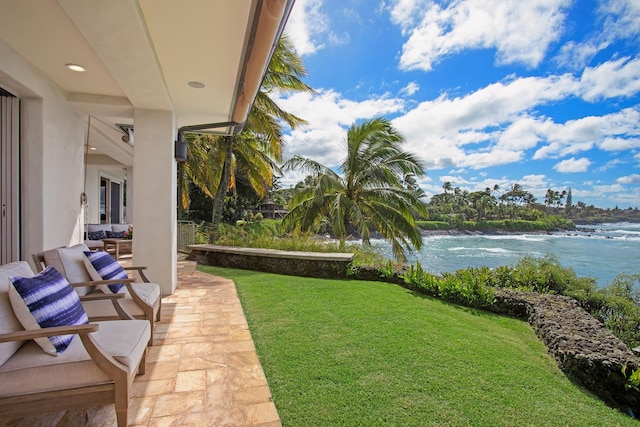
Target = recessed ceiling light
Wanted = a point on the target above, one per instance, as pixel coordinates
(92, 148)
(196, 85)
(76, 67)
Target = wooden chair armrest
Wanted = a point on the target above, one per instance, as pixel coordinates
(47, 332)
(100, 296)
(135, 267)
(140, 270)
(101, 282)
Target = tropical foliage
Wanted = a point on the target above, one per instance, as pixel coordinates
(370, 194)
(456, 205)
(214, 162)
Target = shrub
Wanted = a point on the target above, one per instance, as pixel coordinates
(617, 307)
(419, 280)
(201, 235)
(544, 275)
(470, 286)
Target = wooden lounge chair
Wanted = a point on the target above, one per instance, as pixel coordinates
(97, 368)
(142, 300)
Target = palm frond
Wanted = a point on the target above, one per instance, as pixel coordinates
(371, 195)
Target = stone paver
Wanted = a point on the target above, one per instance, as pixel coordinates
(202, 369)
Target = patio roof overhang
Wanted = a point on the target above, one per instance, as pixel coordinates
(203, 60)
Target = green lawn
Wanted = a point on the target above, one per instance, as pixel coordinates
(354, 353)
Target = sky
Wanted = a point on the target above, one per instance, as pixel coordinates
(543, 93)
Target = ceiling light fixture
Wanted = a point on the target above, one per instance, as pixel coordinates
(196, 84)
(76, 67)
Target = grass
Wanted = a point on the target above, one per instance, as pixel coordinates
(354, 353)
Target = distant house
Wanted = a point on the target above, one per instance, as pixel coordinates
(271, 210)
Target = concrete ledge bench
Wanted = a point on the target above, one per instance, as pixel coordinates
(296, 263)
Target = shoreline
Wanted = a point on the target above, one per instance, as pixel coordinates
(495, 232)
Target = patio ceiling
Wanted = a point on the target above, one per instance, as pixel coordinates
(142, 54)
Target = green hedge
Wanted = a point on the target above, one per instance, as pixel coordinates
(434, 225)
(549, 223)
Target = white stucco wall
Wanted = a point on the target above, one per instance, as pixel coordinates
(52, 150)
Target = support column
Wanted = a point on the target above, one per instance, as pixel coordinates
(154, 191)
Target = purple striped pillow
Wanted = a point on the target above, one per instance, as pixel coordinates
(45, 301)
(108, 269)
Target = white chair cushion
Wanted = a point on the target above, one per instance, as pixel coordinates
(120, 227)
(8, 320)
(70, 263)
(31, 370)
(148, 292)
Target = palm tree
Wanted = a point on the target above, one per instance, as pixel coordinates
(265, 119)
(369, 195)
(262, 132)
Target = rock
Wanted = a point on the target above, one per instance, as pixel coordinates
(585, 350)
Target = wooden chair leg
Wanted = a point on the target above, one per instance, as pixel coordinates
(142, 368)
(149, 315)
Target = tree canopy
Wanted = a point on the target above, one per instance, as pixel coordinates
(373, 191)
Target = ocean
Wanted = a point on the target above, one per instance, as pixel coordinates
(602, 251)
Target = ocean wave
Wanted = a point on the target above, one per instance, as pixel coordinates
(624, 232)
(473, 251)
(496, 250)
(523, 237)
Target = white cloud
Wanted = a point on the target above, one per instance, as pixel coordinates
(630, 179)
(328, 116)
(611, 164)
(500, 117)
(410, 89)
(573, 165)
(489, 106)
(306, 25)
(583, 134)
(520, 31)
(439, 129)
(576, 55)
(620, 20)
(619, 144)
(494, 125)
(610, 79)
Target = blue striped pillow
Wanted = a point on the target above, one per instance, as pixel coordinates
(108, 268)
(44, 301)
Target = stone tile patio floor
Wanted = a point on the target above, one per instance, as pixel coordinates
(201, 371)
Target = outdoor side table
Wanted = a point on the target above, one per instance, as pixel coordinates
(117, 244)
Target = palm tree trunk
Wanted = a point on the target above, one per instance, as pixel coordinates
(221, 192)
(180, 189)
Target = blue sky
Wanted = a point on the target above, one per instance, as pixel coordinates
(544, 93)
